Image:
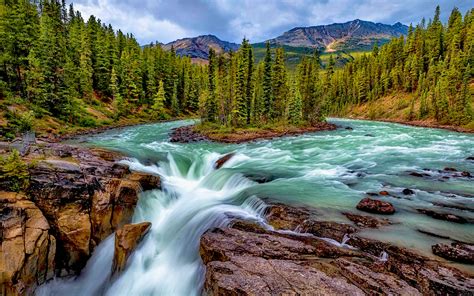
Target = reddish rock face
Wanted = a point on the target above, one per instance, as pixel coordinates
(28, 249)
(246, 259)
(126, 240)
(375, 206)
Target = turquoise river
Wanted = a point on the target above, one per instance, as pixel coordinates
(331, 171)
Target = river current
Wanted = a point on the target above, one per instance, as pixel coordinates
(329, 170)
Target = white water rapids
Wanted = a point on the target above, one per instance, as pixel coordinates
(168, 261)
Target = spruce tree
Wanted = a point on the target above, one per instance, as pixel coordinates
(267, 98)
(159, 101)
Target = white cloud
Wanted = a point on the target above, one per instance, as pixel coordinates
(143, 25)
(258, 20)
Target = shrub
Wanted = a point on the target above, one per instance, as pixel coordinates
(20, 122)
(87, 121)
(14, 172)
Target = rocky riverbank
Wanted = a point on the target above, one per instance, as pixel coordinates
(187, 134)
(301, 255)
(76, 197)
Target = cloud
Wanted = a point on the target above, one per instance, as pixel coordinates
(258, 20)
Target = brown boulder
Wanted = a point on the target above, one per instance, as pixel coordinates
(74, 229)
(221, 161)
(27, 249)
(304, 220)
(366, 221)
(147, 181)
(126, 240)
(459, 252)
(375, 206)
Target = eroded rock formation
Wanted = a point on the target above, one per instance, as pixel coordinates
(76, 198)
(126, 240)
(248, 259)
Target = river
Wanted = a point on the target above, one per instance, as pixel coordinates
(330, 170)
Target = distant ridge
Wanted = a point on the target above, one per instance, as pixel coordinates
(198, 47)
(356, 35)
(352, 35)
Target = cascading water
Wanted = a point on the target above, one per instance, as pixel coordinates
(329, 170)
(193, 199)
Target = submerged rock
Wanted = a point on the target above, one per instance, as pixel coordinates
(366, 221)
(419, 175)
(127, 239)
(259, 177)
(408, 191)
(431, 233)
(444, 216)
(375, 206)
(384, 193)
(459, 252)
(221, 161)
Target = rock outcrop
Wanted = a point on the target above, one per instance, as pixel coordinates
(221, 161)
(248, 259)
(375, 206)
(28, 249)
(366, 221)
(127, 239)
(456, 251)
(83, 195)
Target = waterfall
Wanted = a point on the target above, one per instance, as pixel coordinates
(194, 198)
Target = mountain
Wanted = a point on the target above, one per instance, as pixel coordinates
(198, 47)
(349, 36)
(344, 40)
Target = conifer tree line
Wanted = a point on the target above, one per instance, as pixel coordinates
(435, 63)
(59, 63)
(242, 93)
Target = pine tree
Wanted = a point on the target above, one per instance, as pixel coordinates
(279, 83)
(239, 112)
(159, 101)
(295, 105)
(267, 98)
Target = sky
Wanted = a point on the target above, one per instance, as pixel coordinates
(257, 20)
